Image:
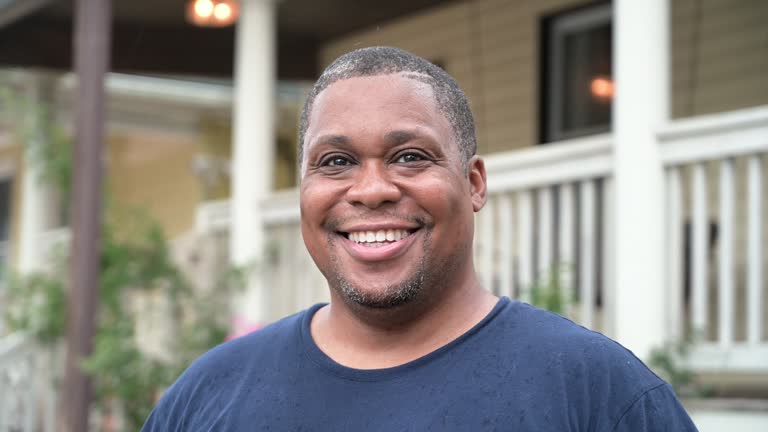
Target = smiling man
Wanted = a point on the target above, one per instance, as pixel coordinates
(410, 341)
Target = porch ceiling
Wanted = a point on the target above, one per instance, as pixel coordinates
(152, 36)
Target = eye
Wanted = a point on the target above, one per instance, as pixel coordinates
(336, 161)
(410, 157)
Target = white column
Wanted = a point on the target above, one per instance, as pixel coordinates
(34, 196)
(641, 63)
(254, 141)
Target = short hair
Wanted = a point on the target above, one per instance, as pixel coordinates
(372, 61)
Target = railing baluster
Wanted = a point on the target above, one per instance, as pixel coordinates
(566, 258)
(544, 238)
(754, 250)
(525, 243)
(699, 246)
(49, 394)
(505, 243)
(609, 292)
(33, 378)
(5, 396)
(675, 255)
(725, 273)
(587, 240)
(285, 263)
(486, 247)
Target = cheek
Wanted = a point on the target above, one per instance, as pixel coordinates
(445, 198)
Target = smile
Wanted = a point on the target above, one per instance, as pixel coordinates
(378, 244)
(378, 238)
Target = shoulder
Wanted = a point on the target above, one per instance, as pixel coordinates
(540, 334)
(259, 346)
(597, 374)
(657, 409)
(217, 374)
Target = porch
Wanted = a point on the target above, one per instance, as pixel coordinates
(681, 224)
(552, 212)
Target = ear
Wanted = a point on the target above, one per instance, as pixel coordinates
(478, 183)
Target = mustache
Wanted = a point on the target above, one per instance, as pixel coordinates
(334, 223)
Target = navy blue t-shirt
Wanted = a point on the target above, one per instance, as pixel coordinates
(519, 369)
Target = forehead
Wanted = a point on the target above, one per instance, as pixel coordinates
(380, 101)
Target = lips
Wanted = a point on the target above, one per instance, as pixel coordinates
(377, 244)
(378, 237)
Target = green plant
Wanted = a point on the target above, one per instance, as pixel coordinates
(548, 293)
(135, 260)
(670, 360)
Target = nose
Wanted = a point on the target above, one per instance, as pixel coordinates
(373, 187)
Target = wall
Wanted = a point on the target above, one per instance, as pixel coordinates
(719, 55)
(491, 47)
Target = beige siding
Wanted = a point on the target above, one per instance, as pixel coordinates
(719, 55)
(492, 48)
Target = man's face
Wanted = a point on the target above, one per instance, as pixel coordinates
(386, 203)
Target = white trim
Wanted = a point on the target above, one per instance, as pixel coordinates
(164, 90)
(212, 216)
(565, 162)
(282, 207)
(738, 357)
(717, 136)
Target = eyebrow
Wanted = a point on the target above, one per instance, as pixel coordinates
(399, 137)
(333, 140)
(393, 138)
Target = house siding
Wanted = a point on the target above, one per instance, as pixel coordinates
(719, 57)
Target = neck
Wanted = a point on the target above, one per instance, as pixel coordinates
(365, 338)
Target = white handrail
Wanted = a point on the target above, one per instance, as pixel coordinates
(713, 137)
(551, 164)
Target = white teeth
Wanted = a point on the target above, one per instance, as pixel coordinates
(378, 236)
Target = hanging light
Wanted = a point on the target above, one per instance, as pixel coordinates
(602, 88)
(212, 13)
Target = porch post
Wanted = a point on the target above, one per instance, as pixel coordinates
(254, 142)
(33, 192)
(641, 70)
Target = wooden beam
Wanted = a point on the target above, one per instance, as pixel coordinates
(137, 48)
(93, 20)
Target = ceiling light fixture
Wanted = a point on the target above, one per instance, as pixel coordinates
(212, 13)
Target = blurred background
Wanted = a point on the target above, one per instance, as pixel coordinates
(626, 154)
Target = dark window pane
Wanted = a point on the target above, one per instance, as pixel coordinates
(587, 58)
(577, 73)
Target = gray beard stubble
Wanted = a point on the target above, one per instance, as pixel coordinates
(394, 295)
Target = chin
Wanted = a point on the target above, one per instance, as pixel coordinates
(385, 295)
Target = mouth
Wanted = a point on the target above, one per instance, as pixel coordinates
(378, 238)
(377, 245)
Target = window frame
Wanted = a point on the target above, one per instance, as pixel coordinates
(553, 29)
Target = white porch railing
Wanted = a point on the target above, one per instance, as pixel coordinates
(716, 222)
(548, 212)
(550, 208)
(27, 386)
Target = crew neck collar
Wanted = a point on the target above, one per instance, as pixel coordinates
(322, 360)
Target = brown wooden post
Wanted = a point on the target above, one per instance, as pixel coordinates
(92, 44)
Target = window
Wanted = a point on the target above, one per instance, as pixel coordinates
(577, 80)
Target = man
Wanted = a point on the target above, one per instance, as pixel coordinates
(410, 341)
